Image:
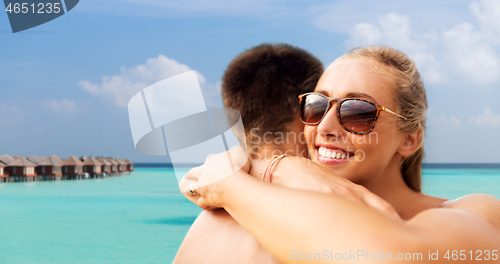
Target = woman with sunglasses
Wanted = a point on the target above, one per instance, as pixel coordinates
(364, 125)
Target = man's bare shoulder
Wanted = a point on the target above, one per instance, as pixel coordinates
(202, 240)
(215, 237)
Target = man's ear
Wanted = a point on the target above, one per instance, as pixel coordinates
(410, 143)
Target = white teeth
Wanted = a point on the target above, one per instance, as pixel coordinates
(332, 154)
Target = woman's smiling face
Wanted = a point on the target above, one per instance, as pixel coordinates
(373, 153)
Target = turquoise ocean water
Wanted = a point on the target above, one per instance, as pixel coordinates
(138, 218)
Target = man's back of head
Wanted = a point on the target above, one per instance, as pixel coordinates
(263, 85)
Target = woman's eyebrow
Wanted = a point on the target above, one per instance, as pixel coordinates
(361, 95)
(325, 93)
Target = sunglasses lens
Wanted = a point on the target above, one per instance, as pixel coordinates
(313, 108)
(358, 116)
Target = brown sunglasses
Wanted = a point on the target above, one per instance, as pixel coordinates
(355, 115)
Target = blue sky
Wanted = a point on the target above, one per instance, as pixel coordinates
(64, 85)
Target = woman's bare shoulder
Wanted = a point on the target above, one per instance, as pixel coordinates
(484, 206)
(470, 221)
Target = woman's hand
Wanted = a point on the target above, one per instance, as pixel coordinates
(304, 174)
(208, 180)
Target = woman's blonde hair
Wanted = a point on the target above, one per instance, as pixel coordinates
(410, 99)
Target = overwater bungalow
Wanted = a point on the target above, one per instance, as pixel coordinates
(34, 159)
(92, 167)
(114, 166)
(105, 166)
(3, 175)
(57, 158)
(130, 165)
(21, 170)
(122, 166)
(50, 169)
(32, 168)
(72, 168)
(6, 159)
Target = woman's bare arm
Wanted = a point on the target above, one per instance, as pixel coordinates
(289, 222)
(295, 172)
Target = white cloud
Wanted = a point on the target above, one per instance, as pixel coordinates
(471, 54)
(442, 120)
(430, 67)
(488, 14)
(458, 52)
(486, 119)
(62, 106)
(12, 110)
(395, 31)
(431, 32)
(341, 15)
(364, 34)
(121, 87)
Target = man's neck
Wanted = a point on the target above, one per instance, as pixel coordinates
(266, 151)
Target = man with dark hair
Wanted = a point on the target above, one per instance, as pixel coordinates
(263, 85)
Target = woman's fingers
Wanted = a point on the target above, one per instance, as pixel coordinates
(201, 184)
(219, 166)
(188, 183)
(240, 158)
(192, 176)
(204, 204)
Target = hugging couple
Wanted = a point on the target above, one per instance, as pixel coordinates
(349, 180)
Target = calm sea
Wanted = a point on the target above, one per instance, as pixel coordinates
(138, 218)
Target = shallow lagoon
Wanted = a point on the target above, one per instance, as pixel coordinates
(138, 218)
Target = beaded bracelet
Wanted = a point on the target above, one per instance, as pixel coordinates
(270, 166)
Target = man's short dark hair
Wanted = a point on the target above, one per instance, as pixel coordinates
(263, 85)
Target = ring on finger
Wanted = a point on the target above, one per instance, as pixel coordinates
(191, 187)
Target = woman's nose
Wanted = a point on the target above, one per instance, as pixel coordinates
(330, 127)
